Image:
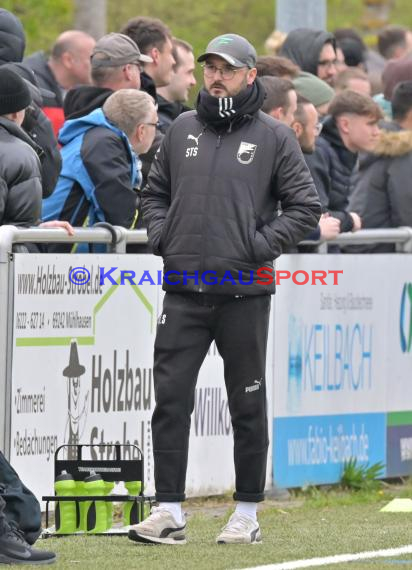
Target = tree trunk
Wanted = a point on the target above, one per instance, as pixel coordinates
(90, 17)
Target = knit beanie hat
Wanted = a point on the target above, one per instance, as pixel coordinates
(315, 90)
(14, 93)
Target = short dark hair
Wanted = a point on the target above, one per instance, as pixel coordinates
(147, 33)
(390, 38)
(277, 93)
(355, 104)
(276, 66)
(300, 113)
(178, 43)
(401, 100)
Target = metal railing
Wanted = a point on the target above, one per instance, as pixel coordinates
(116, 239)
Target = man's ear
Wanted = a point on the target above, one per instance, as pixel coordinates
(298, 128)
(251, 75)
(67, 59)
(154, 54)
(343, 124)
(277, 113)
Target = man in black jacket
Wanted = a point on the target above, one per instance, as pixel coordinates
(211, 206)
(351, 127)
(382, 196)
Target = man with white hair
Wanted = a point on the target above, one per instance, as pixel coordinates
(100, 168)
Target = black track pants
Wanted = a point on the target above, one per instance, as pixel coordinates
(186, 328)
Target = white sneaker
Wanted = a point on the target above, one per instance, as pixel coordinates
(240, 529)
(160, 528)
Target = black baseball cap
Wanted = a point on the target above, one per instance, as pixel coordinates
(234, 49)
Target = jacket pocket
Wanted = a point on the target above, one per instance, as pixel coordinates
(261, 250)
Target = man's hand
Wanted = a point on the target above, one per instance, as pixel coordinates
(357, 222)
(58, 224)
(329, 226)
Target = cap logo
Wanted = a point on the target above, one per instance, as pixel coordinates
(224, 40)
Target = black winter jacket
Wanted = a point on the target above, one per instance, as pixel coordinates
(211, 201)
(383, 192)
(332, 167)
(169, 111)
(21, 189)
(37, 62)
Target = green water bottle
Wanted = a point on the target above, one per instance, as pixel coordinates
(65, 511)
(80, 506)
(95, 514)
(131, 510)
(108, 488)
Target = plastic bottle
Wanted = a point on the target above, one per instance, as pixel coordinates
(131, 510)
(108, 488)
(65, 511)
(95, 513)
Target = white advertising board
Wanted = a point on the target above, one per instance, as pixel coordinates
(82, 370)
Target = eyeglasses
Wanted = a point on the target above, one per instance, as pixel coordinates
(226, 72)
(318, 129)
(328, 62)
(157, 125)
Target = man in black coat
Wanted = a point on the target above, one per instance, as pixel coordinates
(382, 196)
(351, 127)
(211, 206)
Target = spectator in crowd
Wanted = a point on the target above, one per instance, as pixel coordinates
(353, 78)
(274, 42)
(171, 97)
(307, 128)
(276, 66)
(115, 63)
(154, 39)
(367, 59)
(313, 51)
(211, 206)
(100, 170)
(20, 171)
(67, 67)
(394, 42)
(319, 93)
(351, 127)
(353, 52)
(36, 124)
(21, 194)
(395, 71)
(382, 195)
(280, 101)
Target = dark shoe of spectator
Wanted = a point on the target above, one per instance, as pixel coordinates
(15, 550)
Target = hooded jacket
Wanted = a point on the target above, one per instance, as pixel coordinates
(20, 186)
(383, 193)
(36, 124)
(12, 38)
(98, 175)
(332, 167)
(303, 47)
(82, 100)
(211, 202)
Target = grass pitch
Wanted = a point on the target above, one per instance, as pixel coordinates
(311, 524)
